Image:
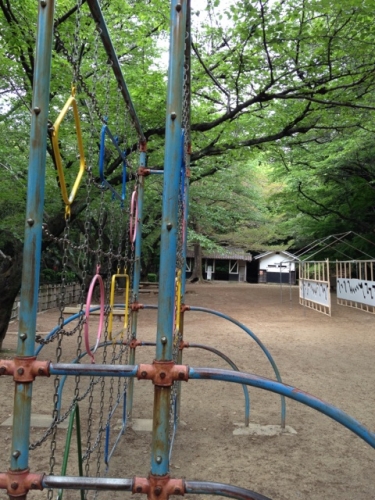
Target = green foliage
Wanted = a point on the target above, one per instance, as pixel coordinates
(282, 106)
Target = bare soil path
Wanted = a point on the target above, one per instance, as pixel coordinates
(332, 358)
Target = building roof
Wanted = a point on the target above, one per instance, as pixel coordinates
(227, 254)
(283, 252)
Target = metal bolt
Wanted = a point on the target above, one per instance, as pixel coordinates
(2, 370)
(23, 336)
(164, 340)
(144, 374)
(181, 375)
(169, 226)
(20, 371)
(16, 454)
(43, 3)
(177, 491)
(157, 490)
(34, 486)
(30, 222)
(41, 371)
(36, 110)
(159, 459)
(173, 115)
(178, 7)
(162, 375)
(14, 486)
(139, 489)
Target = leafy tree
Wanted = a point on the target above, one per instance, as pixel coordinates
(328, 189)
(271, 73)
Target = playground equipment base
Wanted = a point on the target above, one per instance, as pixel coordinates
(262, 430)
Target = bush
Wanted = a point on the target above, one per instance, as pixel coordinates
(52, 276)
(151, 277)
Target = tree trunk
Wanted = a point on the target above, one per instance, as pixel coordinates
(11, 265)
(197, 275)
(10, 279)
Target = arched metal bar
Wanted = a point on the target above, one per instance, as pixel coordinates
(234, 366)
(260, 344)
(223, 490)
(253, 336)
(288, 391)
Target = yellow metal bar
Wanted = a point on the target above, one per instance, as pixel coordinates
(112, 303)
(68, 199)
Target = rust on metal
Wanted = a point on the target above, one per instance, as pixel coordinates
(158, 487)
(188, 171)
(141, 485)
(183, 345)
(134, 343)
(163, 373)
(142, 146)
(143, 171)
(24, 368)
(136, 306)
(184, 308)
(19, 483)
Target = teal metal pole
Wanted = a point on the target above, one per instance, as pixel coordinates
(169, 230)
(33, 231)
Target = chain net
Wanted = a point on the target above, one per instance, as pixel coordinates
(93, 243)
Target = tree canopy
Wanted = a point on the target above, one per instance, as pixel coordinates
(282, 110)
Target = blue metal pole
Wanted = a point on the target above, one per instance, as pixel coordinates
(260, 344)
(288, 391)
(93, 370)
(223, 490)
(136, 276)
(168, 246)
(33, 231)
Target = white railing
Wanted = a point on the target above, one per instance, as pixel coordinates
(356, 284)
(314, 286)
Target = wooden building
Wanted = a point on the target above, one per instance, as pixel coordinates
(276, 267)
(230, 265)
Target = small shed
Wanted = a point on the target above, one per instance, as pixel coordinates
(277, 267)
(227, 266)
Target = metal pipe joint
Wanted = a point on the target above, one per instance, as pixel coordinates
(24, 368)
(158, 487)
(19, 483)
(163, 373)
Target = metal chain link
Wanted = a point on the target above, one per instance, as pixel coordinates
(60, 46)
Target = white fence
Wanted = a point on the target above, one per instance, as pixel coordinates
(314, 288)
(49, 297)
(356, 284)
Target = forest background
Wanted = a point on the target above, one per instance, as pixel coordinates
(282, 111)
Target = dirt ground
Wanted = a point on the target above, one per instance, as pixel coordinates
(330, 357)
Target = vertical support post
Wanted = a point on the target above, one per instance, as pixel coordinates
(168, 246)
(33, 230)
(187, 100)
(136, 274)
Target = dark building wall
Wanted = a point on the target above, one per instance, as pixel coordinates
(285, 277)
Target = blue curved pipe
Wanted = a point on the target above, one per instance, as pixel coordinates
(253, 336)
(224, 490)
(234, 366)
(260, 344)
(199, 309)
(288, 391)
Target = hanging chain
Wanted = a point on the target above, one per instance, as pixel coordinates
(55, 413)
(75, 51)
